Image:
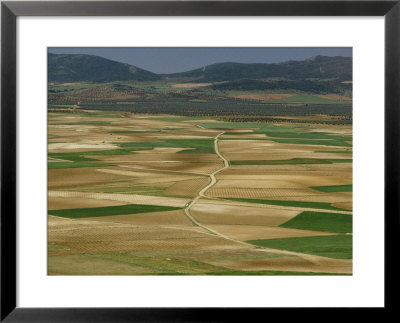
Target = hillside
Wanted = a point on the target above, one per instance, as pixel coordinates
(90, 68)
(318, 67)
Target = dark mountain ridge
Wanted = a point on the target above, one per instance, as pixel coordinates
(90, 68)
(319, 67)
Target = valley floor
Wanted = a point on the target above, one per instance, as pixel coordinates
(144, 194)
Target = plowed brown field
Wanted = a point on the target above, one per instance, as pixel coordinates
(189, 187)
(59, 203)
(98, 237)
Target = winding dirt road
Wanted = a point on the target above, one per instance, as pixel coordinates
(212, 175)
(201, 194)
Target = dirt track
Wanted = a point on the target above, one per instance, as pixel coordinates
(202, 193)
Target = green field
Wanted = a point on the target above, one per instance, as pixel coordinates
(308, 98)
(110, 210)
(281, 131)
(317, 142)
(336, 246)
(333, 188)
(321, 221)
(290, 161)
(338, 143)
(283, 134)
(311, 205)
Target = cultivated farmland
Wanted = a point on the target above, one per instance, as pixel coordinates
(142, 194)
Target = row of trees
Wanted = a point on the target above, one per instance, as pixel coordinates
(222, 108)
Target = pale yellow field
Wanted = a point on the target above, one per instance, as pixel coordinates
(127, 198)
(249, 232)
(218, 213)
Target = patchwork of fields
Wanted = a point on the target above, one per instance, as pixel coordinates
(141, 194)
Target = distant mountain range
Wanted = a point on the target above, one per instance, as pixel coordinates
(90, 68)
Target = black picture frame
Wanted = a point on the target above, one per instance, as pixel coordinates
(10, 10)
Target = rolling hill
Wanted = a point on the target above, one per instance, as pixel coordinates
(318, 67)
(90, 68)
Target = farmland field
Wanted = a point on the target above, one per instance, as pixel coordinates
(157, 194)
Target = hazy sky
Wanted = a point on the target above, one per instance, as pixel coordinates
(170, 60)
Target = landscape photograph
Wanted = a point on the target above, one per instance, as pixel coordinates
(199, 161)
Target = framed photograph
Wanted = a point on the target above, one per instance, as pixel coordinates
(193, 160)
